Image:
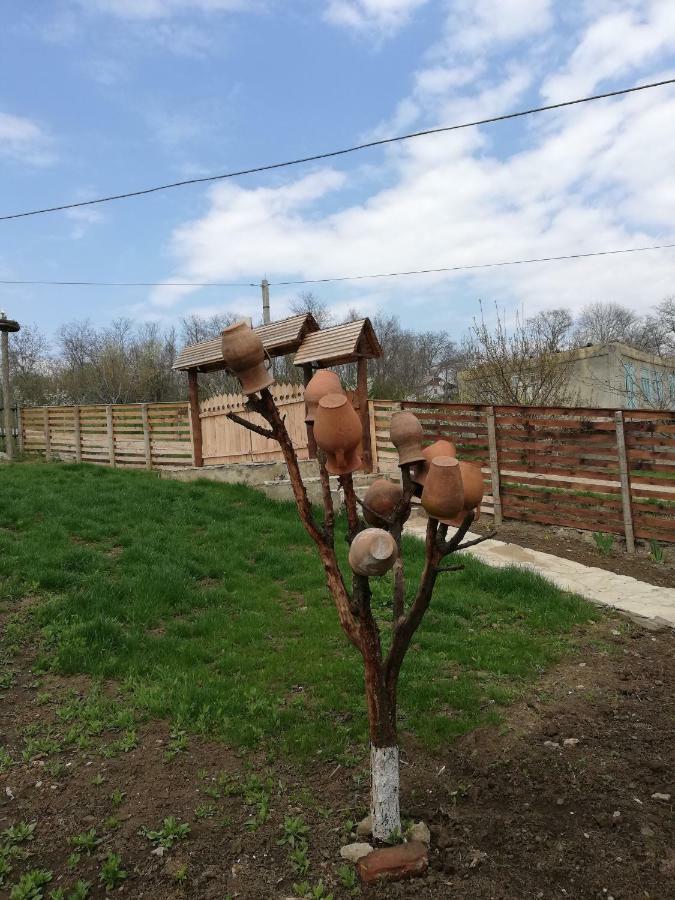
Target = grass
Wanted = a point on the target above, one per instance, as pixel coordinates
(207, 605)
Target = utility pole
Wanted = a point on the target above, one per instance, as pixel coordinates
(7, 325)
(265, 285)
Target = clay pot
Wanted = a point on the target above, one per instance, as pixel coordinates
(443, 494)
(373, 552)
(244, 355)
(321, 383)
(438, 448)
(407, 435)
(382, 497)
(472, 481)
(338, 431)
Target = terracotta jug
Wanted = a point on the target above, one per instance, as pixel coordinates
(321, 383)
(244, 355)
(373, 552)
(382, 497)
(443, 494)
(407, 435)
(438, 448)
(474, 488)
(337, 430)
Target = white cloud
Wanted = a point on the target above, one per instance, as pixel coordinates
(591, 178)
(614, 45)
(385, 15)
(24, 141)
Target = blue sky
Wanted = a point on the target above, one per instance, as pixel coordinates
(101, 96)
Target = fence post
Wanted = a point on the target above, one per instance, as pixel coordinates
(111, 434)
(494, 464)
(625, 482)
(48, 437)
(146, 435)
(19, 428)
(77, 429)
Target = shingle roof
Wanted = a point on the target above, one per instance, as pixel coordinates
(340, 344)
(279, 338)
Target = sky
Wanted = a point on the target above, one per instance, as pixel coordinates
(105, 96)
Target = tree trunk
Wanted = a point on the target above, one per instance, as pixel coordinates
(384, 764)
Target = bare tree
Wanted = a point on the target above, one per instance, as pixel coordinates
(32, 367)
(412, 362)
(516, 366)
(308, 302)
(353, 604)
(119, 363)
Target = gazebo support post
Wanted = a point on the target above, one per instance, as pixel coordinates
(362, 397)
(195, 420)
(311, 443)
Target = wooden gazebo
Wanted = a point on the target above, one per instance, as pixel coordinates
(314, 348)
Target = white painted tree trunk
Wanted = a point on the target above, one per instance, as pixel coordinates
(384, 793)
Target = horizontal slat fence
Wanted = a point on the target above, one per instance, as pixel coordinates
(559, 466)
(134, 435)
(225, 441)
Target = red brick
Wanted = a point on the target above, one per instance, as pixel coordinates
(402, 861)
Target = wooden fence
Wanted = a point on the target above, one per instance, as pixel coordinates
(139, 435)
(224, 441)
(595, 469)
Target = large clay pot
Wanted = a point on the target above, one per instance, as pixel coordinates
(382, 497)
(244, 355)
(407, 435)
(443, 494)
(438, 448)
(338, 431)
(373, 552)
(474, 488)
(321, 383)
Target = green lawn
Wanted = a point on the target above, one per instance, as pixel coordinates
(206, 603)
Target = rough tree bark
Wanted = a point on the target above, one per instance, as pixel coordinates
(381, 671)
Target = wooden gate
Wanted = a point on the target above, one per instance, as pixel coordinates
(226, 442)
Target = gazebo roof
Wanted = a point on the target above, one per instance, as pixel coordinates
(340, 344)
(279, 339)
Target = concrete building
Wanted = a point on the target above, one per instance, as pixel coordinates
(611, 375)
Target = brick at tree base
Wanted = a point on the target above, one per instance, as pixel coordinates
(402, 861)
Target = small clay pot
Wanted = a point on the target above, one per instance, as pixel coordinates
(443, 494)
(438, 448)
(382, 497)
(406, 435)
(474, 488)
(321, 383)
(244, 355)
(338, 431)
(373, 552)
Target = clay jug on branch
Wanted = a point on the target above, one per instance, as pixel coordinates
(244, 355)
(338, 431)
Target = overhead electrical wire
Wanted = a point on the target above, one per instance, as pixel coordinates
(333, 153)
(462, 268)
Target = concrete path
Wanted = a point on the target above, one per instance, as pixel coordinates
(598, 585)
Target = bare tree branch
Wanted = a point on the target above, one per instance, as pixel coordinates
(251, 426)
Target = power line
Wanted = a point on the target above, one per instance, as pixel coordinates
(463, 268)
(135, 283)
(333, 153)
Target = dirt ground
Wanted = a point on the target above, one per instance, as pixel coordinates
(514, 811)
(579, 546)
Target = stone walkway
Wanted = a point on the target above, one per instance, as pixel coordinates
(637, 598)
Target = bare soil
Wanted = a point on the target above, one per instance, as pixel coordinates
(514, 811)
(579, 546)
